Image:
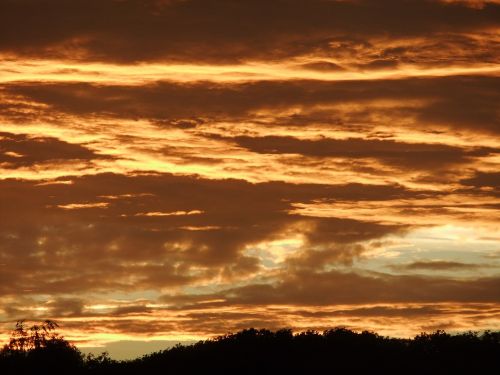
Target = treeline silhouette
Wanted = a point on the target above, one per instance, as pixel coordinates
(39, 350)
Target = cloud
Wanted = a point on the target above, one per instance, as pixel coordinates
(245, 30)
(118, 215)
(399, 154)
(437, 265)
(21, 150)
(336, 288)
(443, 101)
(486, 182)
(322, 66)
(49, 249)
(65, 307)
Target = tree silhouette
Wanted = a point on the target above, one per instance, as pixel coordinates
(35, 337)
(40, 350)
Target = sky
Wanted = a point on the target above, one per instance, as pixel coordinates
(171, 170)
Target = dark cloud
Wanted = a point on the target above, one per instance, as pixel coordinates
(486, 182)
(462, 102)
(334, 287)
(322, 66)
(403, 155)
(437, 265)
(484, 179)
(64, 238)
(21, 150)
(129, 310)
(64, 307)
(136, 30)
(392, 311)
(379, 64)
(338, 241)
(439, 51)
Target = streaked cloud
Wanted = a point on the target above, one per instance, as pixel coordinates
(176, 169)
(181, 31)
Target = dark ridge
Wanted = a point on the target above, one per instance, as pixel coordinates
(251, 351)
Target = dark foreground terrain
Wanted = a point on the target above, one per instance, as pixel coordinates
(336, 351)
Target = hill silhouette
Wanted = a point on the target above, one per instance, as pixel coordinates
(251, 351)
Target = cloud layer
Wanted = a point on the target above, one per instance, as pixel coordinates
(175, 169)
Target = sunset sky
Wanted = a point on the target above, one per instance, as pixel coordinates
(178, 169)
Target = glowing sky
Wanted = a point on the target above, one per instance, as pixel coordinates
(176, 169)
